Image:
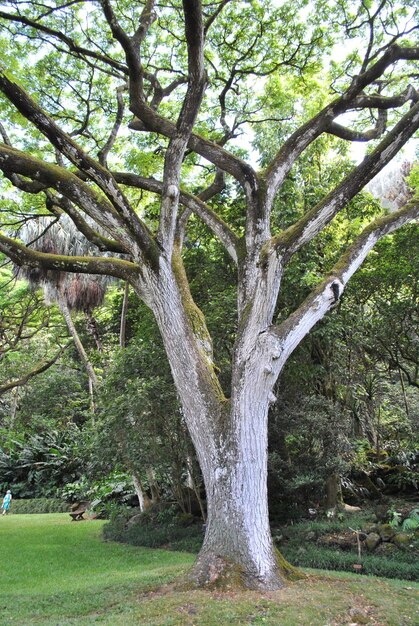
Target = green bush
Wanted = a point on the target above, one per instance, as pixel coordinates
(105, 495)
(39, 505)
(168, 534)
(322, 558)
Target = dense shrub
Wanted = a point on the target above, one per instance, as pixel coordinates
(156, 530)
(306, 446)
(322, 558)
(36, 465)
(39, 505)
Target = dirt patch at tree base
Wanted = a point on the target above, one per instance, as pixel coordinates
(318, 599)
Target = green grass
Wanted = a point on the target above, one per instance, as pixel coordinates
(58, 572)
(55, 569)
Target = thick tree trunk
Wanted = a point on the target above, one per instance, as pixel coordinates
(238, 547)
(230, 438)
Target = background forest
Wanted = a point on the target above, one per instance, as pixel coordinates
(98, 418)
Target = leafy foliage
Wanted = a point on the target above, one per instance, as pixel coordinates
(36, 465)
(39, 505)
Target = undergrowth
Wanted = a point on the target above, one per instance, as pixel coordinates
(39, 505)
(165, 530)
(403, 566)
(304, 552)
(150, 532)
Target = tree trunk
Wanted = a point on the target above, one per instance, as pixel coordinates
(123, 324)
(80, 349)
(333, 492)
(143, 499)
(238, 548)
(152, 483)
(92, 329)
(14, 406)
(191, 484)
(230, 439)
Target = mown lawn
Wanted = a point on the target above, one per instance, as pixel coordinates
(57, 572)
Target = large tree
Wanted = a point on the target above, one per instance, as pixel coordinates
(118, 114)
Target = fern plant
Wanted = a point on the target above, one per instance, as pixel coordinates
(411, 523)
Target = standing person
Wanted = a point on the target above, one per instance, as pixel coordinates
(6, 501)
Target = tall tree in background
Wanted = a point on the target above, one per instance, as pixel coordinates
(188, 73)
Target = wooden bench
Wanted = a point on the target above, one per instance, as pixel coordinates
(79, 509)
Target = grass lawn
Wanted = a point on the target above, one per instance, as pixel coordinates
(58, 572)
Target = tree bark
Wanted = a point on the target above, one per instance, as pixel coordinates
(80, 349)
(230, 439)
(143, 499)
(152, 483)
(333, 492)
(92, 329)
(123, 324)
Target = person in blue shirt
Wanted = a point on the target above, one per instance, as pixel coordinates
(6, 502)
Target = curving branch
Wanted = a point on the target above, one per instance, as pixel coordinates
(126, 42)
(194, 31)
(214, 16)
(377, 101)
(91, 168)
(106, 266)
(192, 203)
(354, 135)
(352, 98)
(19, 182)
(131, 44)
(14, 161)
(146, 119)
(212, 190)
(43, 366)
(72, 46)
(289, 333)
(103, 152)
(103, 243)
